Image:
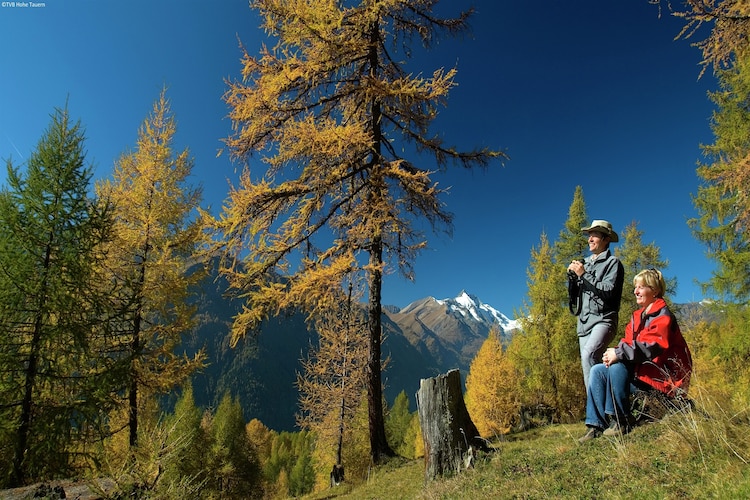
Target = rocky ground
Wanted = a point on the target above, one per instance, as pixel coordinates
(53, 490)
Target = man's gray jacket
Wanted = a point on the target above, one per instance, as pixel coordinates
(600, 289)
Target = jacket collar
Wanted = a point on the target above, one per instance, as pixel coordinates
(656, 307)
(602, 256)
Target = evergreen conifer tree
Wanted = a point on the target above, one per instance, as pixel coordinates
(397, 423)
(51, 400)
(547, 370)
(571, 244)
(234, 471)
(188, 440)
(635, 257)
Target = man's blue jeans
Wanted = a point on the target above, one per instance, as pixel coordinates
(608, 394)
(593, 345)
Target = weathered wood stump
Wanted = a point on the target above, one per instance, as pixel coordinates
(450, 436)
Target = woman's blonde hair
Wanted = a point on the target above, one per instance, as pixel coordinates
(653, 279)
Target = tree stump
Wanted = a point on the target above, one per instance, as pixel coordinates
(450, 436)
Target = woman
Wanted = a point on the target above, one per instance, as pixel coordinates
(652, 356)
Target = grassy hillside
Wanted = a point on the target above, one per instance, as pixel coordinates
(692, 455)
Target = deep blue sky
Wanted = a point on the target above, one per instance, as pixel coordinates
(590, 93)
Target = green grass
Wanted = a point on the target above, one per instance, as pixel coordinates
(682, 456)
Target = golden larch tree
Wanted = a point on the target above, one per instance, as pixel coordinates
(334, 377)
(729, 22)
(148, 260)
(722, 200)
(491, 396)
(338, 122)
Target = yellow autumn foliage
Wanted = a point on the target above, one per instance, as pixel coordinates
(490, 392)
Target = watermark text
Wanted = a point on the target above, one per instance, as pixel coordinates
(22, 5)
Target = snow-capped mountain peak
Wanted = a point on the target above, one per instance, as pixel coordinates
(451, 330)
(470, 306)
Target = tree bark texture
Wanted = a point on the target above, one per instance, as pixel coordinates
(450, 436)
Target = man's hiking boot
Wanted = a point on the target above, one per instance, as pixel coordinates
(616, 429)
(591, 433)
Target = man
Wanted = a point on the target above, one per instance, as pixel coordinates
(597, 284)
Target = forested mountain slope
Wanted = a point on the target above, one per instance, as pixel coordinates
(424, 339)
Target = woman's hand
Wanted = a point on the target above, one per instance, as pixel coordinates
(609, 357)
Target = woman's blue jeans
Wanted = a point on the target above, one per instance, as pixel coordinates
(608, 394)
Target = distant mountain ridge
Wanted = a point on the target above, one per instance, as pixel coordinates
(424, 339)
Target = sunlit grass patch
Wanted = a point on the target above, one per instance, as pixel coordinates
(701, 452)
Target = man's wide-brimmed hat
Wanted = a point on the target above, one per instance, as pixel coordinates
(604, 227)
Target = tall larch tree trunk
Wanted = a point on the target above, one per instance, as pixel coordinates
(378, 443)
